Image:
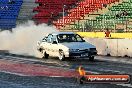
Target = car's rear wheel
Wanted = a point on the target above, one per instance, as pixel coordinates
(61, 55)
(91, 58)
(46, 55)
(43, 54)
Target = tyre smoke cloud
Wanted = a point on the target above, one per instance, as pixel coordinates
(23, 39)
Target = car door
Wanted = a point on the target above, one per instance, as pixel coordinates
(55, 46)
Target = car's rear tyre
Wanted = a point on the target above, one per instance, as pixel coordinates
(91, 58)
(46, 55)
(61, 55)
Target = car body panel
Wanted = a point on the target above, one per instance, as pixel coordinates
(78, 45)
(70, 49)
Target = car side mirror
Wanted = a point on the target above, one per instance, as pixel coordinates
(54, 42)
(43, 40)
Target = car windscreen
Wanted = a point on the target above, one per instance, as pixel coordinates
(69, 38)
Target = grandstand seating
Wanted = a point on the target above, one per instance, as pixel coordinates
(84, 7)
(76, 9)
(117, 14)
(9, 10)
(49, 9)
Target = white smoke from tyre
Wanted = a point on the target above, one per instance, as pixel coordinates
(23, 38)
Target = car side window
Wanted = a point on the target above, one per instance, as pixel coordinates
(54, 38)
(78, 38)
(49, 38)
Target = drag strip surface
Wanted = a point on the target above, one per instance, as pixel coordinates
(15, 81)
(97, 67)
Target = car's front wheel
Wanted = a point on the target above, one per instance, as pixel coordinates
(61, 55)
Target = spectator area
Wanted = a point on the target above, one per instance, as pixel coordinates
(49, 10)
(66, 13)
(9, 11)
(117, 15)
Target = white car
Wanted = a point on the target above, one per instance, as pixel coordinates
(66, 44)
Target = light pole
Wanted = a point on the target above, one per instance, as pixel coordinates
(63, 14)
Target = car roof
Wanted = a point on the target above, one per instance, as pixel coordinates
(57, 33)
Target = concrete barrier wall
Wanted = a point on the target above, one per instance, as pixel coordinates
(114, 47)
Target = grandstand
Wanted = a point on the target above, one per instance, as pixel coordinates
(77, 15)
(9, 11)
(15, 12)
(119, 14)
(74, 10)
(26, 12)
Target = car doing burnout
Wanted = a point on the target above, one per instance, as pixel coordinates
(65, 44)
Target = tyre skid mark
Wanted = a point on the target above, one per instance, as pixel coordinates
(35, 70)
